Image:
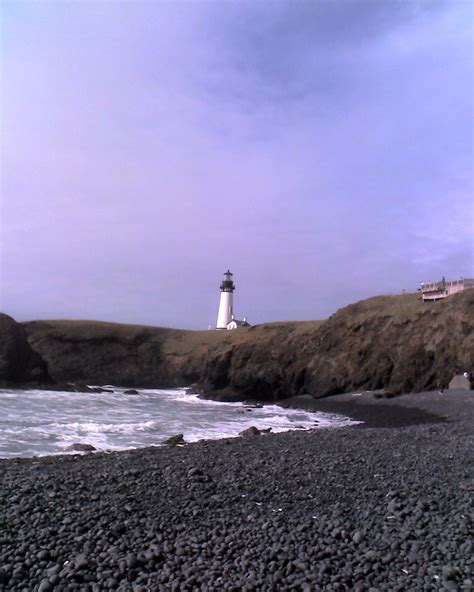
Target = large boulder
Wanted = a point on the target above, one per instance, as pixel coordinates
(18, 362)
(176, 440)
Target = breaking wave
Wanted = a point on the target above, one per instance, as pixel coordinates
(37, 423)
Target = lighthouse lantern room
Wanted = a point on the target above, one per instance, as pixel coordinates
(226, 303)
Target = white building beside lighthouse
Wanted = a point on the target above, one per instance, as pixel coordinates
(225, 316)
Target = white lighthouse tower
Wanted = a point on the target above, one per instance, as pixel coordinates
(226, 304)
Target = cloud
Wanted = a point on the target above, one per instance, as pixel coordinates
(321, 150)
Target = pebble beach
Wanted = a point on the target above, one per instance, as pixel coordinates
(382, 506)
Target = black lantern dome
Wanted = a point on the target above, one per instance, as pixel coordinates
(227, 284)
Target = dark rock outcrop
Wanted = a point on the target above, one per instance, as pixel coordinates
(176, 440)
(18, 361)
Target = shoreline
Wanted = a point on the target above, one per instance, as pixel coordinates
(413, 409)
(323, 510)
(401, 411)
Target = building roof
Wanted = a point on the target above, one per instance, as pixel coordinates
(239, 323)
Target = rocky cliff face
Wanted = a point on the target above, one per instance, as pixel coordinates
(394, 342)
(18, 362)
(99, 353)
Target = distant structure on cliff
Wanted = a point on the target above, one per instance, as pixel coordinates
(225, 317)
(235, 324)
(432, 291)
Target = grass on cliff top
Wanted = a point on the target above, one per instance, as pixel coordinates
(181, 342)
(398, 306)
(174, 341)
(178, 341)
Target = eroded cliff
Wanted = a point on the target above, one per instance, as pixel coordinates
(392, 342)
(99, 353)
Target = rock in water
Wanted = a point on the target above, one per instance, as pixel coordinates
(175, 440)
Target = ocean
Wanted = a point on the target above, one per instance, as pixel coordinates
(38, 422)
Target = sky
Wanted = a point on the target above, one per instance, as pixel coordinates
(322, 151)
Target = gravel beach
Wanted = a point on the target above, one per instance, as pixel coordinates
(386, 506)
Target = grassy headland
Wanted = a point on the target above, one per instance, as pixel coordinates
(393, 342)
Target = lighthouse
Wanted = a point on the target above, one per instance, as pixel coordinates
(226, 303)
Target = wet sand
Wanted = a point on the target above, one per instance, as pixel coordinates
(400, 411)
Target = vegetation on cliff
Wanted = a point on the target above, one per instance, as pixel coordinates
(392, 342)
(99, 353)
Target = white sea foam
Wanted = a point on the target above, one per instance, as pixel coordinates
(48, 422)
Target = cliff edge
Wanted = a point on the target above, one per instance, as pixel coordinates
(392, 342)
(386, 342)
(99, 353)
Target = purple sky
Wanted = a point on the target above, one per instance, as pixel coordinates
(322, 151)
